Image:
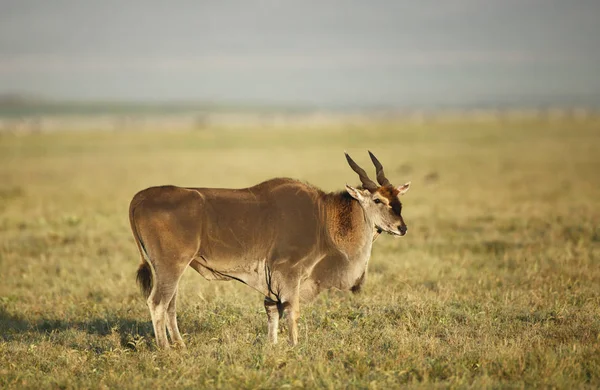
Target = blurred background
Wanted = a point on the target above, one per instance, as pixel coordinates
(187, 64)
(489, 107)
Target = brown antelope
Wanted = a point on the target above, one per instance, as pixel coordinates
(284, 238)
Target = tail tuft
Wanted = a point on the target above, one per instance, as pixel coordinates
(144, 279)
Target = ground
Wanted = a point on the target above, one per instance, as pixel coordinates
(496, 284)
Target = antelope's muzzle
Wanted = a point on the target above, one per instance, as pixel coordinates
(402, 229)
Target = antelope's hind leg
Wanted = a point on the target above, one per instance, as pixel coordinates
(172, 327)
(163, 293)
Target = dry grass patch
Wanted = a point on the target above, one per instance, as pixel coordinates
(496, 284)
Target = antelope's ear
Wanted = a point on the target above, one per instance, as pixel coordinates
(355, 193)
(403, 188)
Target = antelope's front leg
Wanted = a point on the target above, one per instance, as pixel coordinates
(272, 319)
(292, 312)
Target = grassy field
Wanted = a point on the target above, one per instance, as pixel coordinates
(497, 283)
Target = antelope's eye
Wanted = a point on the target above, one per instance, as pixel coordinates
(377, 201)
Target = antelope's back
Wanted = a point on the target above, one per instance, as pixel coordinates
(279, 217)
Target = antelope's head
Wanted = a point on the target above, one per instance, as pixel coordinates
(380, 202)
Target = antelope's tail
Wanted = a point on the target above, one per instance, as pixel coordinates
(144, 272)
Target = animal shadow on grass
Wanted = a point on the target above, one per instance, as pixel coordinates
(16, 327)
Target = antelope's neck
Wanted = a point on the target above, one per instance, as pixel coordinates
(347, 223)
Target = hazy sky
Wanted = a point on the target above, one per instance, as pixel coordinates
(313, 51)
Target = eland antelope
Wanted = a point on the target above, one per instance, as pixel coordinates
(284, 238)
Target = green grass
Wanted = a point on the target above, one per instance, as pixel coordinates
(497, 283)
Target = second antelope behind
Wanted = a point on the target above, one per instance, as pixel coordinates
(284, 238)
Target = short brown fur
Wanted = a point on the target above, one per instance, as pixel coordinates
(284, 238)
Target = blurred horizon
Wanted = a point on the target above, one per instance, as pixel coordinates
(329, 55)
